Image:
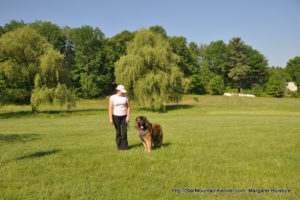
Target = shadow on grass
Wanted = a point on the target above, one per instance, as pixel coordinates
(178, 107)
(50, 112)
(11, 138)
(133, 146)
(170, 108)
(165, 145)
(140, 145)
(38, 154)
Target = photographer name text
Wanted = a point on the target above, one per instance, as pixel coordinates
(255, 191)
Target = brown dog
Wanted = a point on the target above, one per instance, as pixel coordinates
(149, 132)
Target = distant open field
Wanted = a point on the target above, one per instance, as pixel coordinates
(211, 142)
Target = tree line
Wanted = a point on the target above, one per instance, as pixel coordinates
(41, 62)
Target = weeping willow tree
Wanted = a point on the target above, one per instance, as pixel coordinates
(50, 82)
(20, 52)
(31, 70)
(149, 71)
(59, 95)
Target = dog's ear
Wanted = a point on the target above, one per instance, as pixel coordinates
(146, 122)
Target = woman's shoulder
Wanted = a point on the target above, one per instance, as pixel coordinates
(112, 97)
(116, 96)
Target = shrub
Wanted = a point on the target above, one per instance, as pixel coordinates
(295, 94)
(216, 85)
(257, 90)
(276, 85)
(17, 96)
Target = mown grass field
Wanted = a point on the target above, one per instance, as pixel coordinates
(213, 143)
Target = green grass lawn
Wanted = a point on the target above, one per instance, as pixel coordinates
(213, 143)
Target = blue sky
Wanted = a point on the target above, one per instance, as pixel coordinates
(270, 26)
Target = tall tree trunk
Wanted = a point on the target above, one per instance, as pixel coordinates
(240, 88)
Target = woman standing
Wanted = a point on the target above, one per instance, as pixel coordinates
(119, 115)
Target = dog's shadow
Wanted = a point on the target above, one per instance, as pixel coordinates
(140, 145)
(133, 146)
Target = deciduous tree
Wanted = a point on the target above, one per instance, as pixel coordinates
(238, 69)
(216, 85)
(20, 52)
(150, 72)
(52, 32)
(293, 69)
(30, 66)
(13, 24)
(215, 58)
(91, 73)
(276, 84)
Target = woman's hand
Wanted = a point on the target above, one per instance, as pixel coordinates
(110, 108)
(127, 119)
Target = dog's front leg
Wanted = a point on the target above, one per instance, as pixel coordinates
(145, 145)
(148, 143)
